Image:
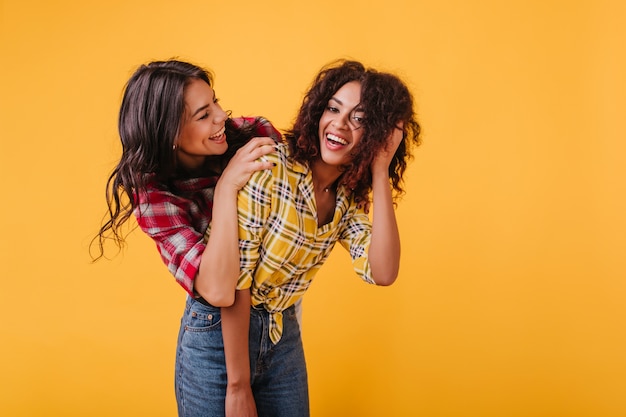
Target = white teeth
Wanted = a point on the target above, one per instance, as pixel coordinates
(218, 134)
(337, 139)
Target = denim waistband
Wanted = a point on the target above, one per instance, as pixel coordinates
(260, 307)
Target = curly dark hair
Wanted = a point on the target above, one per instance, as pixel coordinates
(150, 118)
(386, 102)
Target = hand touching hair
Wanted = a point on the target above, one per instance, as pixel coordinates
(387, 104)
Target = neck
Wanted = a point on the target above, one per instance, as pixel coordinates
(191, 163)
(324, 176)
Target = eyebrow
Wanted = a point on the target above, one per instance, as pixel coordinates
(203, 107)
(200, 109)
(337, 100)
(358, 107)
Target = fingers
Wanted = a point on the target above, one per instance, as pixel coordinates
(393, 141)
(251, 162)
(262, 150)
(385, 155)
(259, 141)
(249, 158)
(261, 163)
(365, 205)
(256, 148)
(396, 136)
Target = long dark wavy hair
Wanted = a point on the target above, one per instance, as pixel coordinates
(150, 118)
(386, 101)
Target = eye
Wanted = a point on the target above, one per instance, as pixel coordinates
(332, 109)
(356, 119)
(216, 100)
(204, 116)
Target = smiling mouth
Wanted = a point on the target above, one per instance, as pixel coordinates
(335, 139)
(218, 134)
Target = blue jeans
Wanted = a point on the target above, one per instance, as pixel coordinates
(278, 372)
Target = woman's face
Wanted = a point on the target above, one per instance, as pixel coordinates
(202, 130)
(341, 129)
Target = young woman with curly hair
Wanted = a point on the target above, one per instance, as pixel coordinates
(352, 137)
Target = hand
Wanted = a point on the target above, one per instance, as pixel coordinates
(383, 158)
(246, 161)
(365, 205)
(240, 402)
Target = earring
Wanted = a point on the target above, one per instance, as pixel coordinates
(174, 147)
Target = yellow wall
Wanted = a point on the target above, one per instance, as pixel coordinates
(511, 296)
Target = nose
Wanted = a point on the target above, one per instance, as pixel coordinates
(340, 122)
(220, 116)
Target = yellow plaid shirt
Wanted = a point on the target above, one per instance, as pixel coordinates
(280, 244)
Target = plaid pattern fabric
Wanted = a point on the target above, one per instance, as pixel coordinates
(177, 221)
(280, 244)
(176, 224)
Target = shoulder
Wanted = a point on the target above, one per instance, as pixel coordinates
(264, 179)
(285, 166)
(260, 125)
(154, 191)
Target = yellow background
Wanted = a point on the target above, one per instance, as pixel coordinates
(511, 296)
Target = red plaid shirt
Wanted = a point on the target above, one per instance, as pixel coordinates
(177, 221)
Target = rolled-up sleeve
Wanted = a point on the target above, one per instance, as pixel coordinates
(356, 238)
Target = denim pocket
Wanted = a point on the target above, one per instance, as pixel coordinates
(202, 318)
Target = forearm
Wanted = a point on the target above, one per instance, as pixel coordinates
(235, 328)
(219, 267)
(384, 251)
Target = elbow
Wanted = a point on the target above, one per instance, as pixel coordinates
(386, 274)
(385, 280)
(220, 299)
(217, 292)
(216, 297)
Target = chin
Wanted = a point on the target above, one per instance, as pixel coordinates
(332, 159)
(220, 150)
